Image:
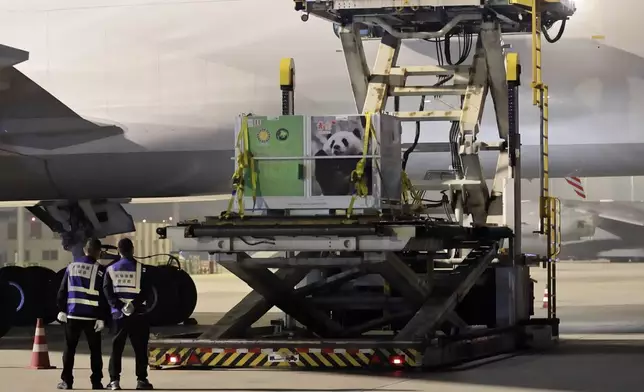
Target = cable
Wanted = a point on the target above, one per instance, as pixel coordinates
(264, 241)
(464, 46)
(443, 54)
(171, 258)
(430, 201)
(421, 107)
(457, 164)
(546, 35)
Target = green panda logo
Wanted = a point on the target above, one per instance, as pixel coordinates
(281, 134)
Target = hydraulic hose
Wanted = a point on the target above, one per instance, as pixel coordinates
(546, 35)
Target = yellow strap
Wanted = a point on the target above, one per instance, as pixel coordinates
(249, 163)
(357, 176)
(244, 160)
(253, 173)
(405, 188)
(408, 191)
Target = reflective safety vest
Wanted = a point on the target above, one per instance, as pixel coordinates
(126, 281)
(84, 280)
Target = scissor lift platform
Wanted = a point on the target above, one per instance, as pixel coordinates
(413, 323)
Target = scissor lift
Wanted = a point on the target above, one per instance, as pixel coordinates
(421, 314)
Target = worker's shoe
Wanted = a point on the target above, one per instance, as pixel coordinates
(97, 385)
(144, 385)
(63, 385)
(114, 386)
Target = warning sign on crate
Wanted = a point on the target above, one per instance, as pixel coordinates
(325, 126)
(254, 122)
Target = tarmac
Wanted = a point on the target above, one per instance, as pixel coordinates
(602, 348)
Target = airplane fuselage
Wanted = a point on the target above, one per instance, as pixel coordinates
(174, 75)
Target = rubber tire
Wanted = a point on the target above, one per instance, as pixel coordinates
(187, 295)
(22, 295)
(7, 308)
(44, 288)
(163, 301)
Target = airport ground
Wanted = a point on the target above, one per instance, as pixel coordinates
(602, 349)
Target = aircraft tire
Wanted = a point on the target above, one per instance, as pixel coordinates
(162, 302)
(44, 289)
(187, 295)
(21, 295)
(7, 308)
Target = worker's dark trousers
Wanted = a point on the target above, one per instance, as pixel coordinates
(73, 331)
(138, 330)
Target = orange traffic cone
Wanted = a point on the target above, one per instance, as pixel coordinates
(544, 305)
(40, 352)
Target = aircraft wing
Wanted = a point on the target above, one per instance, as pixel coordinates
(620, 211)
(628, 212)
(33, 118)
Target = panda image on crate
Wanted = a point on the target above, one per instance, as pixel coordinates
(337, 138)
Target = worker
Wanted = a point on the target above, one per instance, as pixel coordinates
(83, 310)
(126, 289)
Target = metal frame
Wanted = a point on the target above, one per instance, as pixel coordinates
(433, 18)
(487, 73)
(417, 305)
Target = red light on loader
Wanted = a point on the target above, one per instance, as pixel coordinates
(172, 359)
(397, 360)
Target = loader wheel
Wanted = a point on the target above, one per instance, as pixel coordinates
(7, 307)
(21, 295)
(44, 289)
(162, 302)
(187, 295)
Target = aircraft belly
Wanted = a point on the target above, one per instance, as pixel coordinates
(114, 175)
(163, 173)
(580, 160)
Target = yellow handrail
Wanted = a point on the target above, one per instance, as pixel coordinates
(554, 227)
(540, 99)
(537, 82)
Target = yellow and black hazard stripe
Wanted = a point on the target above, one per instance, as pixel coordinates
(285, 358)
(288, 357)
(232, 358)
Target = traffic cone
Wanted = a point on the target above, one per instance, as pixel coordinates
(40, 352)
(544, 305)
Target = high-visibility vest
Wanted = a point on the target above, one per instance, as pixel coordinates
(84, 280)
(126, 281)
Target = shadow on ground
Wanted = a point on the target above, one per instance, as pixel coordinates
(21, 338)
(575, 365)
(579, 364)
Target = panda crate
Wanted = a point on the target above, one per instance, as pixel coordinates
(305, 162)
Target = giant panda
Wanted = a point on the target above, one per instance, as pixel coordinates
(334, 175)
